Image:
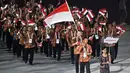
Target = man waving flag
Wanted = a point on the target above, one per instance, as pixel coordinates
(60, 14)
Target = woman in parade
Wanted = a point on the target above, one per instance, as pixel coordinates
(105, 59)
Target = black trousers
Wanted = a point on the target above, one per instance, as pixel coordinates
(72, 54)
(63, 43)
(112, 52)
(58, 50)
(94, 49)
(29, 51)
(9, 44)
(116, 50)
(3, 36)
(83, 65)
(67, 46)
(54, 52)
(49, 47)
(23, 52)
(0, 32)
(16, 48)
(45, 48)
(97, 48)
(77, 63)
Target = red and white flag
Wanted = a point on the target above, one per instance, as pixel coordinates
(121, 29)
(60, 14)
(84, 11)
(75, 10)
(82, 26)
(79, 15)
(102, 11)
(90, 15)
(31, 22)
(102, 23)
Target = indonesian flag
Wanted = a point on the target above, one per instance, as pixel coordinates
(75, 10)
(84, 11)
(79, 15)
(103, 23)
(60, 14)
(31, 22)
(102, 11)
(82, 26)
(90, 15)
(121, 29)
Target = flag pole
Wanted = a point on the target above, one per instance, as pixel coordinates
(75, 25)
(71, 15)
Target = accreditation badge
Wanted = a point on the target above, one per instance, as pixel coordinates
(97, 37)
(30, 41)
(57, 41)
(84, 55)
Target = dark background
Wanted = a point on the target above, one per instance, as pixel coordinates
(111, 5)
